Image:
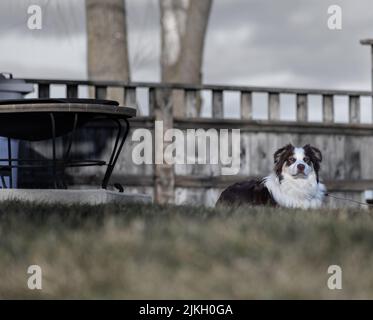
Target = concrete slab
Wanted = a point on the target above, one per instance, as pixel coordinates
(86, 196)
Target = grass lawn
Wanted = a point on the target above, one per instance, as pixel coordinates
(169, 252)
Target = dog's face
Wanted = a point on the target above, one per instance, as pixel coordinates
(298, 163)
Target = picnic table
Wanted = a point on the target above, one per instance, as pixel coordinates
(47, 119)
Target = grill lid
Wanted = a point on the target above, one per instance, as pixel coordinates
(8, 84)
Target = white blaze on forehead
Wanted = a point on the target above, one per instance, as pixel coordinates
(299, 153)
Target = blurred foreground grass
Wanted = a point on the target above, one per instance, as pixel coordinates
(169, 252)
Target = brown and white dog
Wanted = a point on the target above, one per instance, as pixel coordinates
(293, 184)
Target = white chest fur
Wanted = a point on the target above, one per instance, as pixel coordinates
(296, 193)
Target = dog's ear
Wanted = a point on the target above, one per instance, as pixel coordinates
(315, 156)
(278, 155)
(313, 151)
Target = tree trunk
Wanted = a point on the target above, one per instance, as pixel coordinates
(107, 41)
(183, 30)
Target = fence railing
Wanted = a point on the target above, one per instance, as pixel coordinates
(189, 93)
(177, 106)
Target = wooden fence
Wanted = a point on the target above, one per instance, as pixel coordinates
(347, 168)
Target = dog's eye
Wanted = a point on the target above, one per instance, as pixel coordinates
(306, 159)
(292, 159)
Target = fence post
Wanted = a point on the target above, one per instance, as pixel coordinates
(302, 106)
(151, 99)
(217, 104)
(72, 91)
(191, 103)
(246, 105)
(164, 176)
(327, 108)
(354, 109)
(100, 92)
(130, 97)
(43, 90)
(273, 106)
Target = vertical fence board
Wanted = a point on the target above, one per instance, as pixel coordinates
(217, 104)
(43, 90)
(366, 158)
(258, 154)
(130, 97)
(71, 91)
(302, 106)
(336, 165)
(327, 108)
(245, 155)
(164, 173)
(100, 92)
(246, 105)
(151, 97)
(354, 109)
(274, 106)
(352, 157)
(191, 103)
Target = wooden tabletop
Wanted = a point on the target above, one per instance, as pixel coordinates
(68, 108)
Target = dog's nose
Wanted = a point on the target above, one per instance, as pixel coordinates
(300, 167)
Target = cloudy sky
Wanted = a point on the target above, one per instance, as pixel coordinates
(249, 42)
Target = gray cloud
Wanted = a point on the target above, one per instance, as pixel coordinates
(254, 42)
(288, 43)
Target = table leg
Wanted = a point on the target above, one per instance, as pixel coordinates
(116, 150)
(54, 165)
(10, 163)
(67, 153)
(3, 182)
